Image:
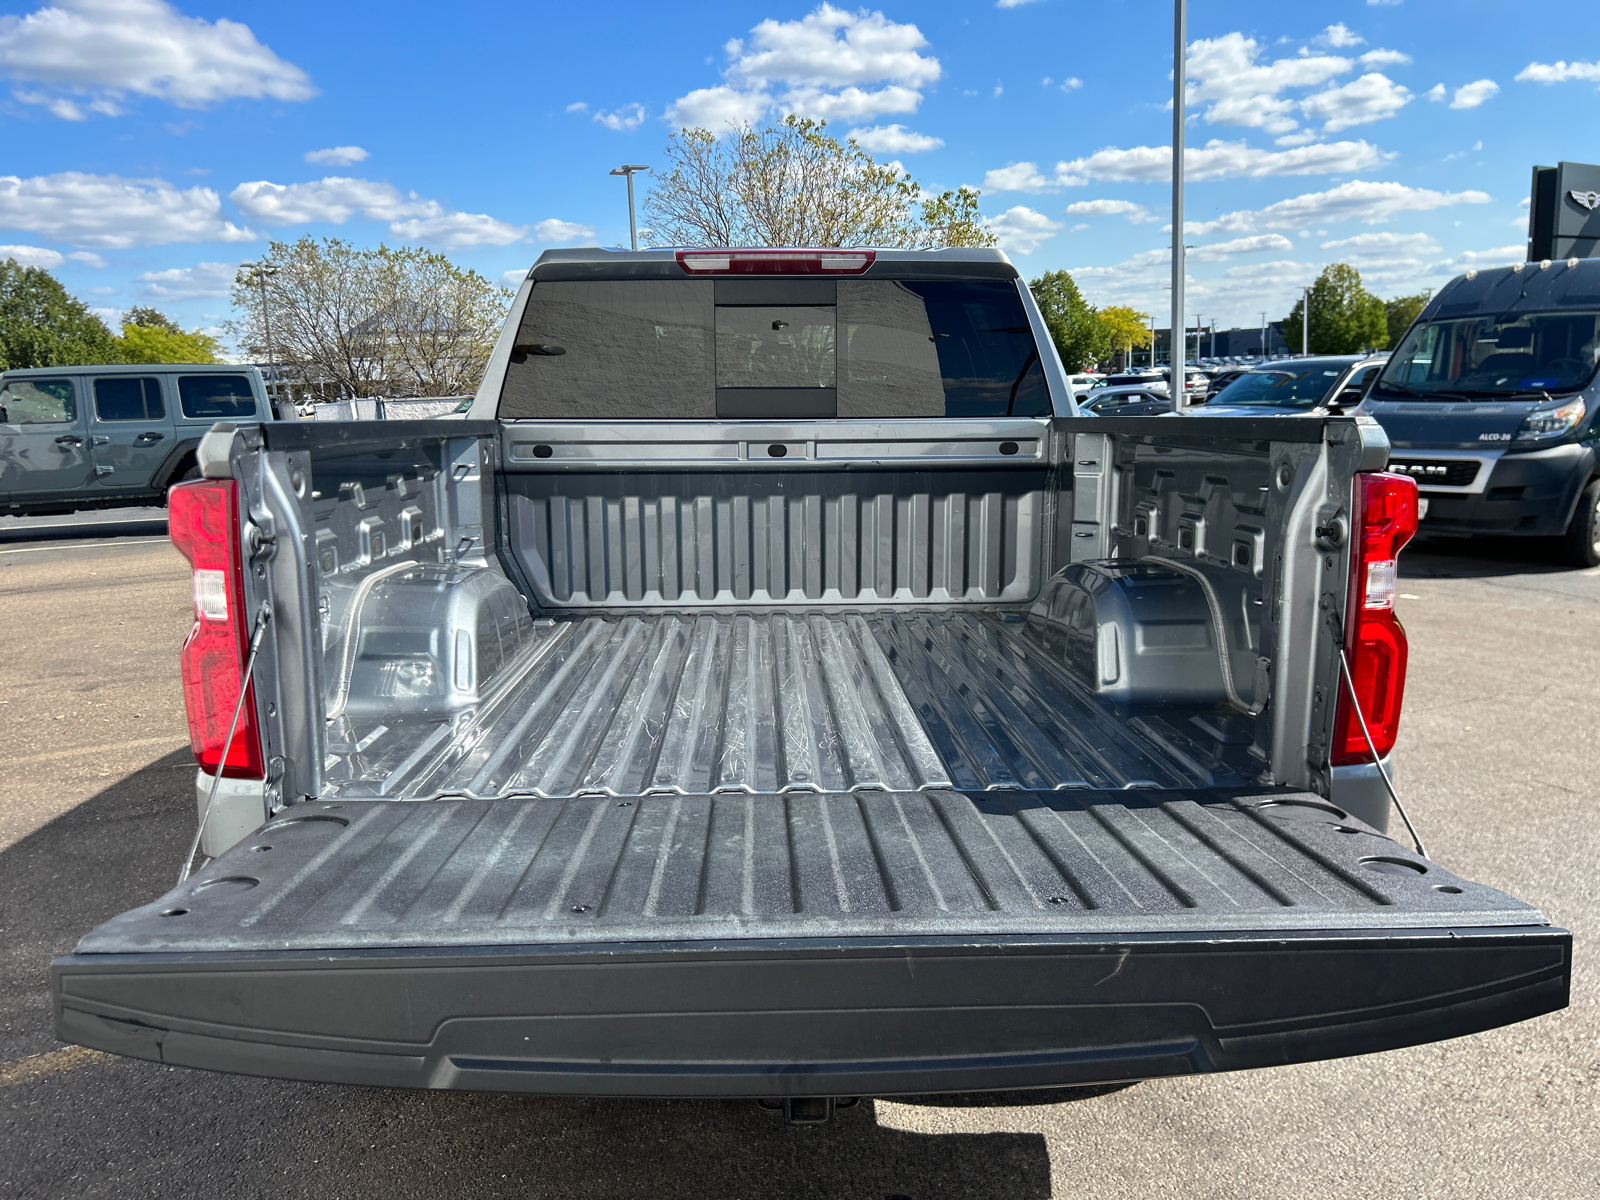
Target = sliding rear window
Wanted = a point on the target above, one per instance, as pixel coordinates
(773, 349)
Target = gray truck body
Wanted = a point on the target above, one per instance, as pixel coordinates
(799, 757)
(108, 436)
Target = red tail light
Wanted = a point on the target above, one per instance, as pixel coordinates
(203, 521)
(776, 262)
(1375, 641)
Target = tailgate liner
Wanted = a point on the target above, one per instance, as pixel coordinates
(387, 874)
(802, 945)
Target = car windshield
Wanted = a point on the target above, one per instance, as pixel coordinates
(1498, 354)
(1290, 385)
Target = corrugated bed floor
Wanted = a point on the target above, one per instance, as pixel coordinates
(599, 869)
(898, 701)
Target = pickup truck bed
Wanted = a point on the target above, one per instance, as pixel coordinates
(627, 745)
(895, 700)
(809, 944)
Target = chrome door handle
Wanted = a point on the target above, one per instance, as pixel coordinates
(148, 438)
(99, 440)
(69, 439)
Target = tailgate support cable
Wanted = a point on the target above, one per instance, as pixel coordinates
(1377, 761)
(262, 617)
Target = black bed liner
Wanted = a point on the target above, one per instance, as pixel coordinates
(806, 944)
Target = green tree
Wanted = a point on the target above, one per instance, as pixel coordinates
(150, 318)
(1121, 327)
(1400, 312)
(144, 342)
(1345, 317)
(1074, 324)
(792, 184)
(43, 325)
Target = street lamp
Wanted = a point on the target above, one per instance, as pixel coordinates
(628, 171)
(1263, 333)
(1180, 46)
(1305, 323)
(258, 273)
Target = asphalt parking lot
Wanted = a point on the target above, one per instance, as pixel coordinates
(1500, 765)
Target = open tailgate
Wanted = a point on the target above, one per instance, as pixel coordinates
(806, 944)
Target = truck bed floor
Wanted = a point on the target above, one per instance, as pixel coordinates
(778, 702)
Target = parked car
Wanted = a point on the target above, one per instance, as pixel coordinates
(1493, 405)
(1296, 387)
(1221, 379)
(818, 717)
(108, 436)
(1126, 402)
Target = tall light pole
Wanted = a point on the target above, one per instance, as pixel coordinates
(258, 273)
(1305, 323)
(1180, 46)
(628, 171)
(1263, 334)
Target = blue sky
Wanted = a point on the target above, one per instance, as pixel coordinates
(148, 147)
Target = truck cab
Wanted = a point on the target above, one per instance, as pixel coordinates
(1491, 404)
(111, 435)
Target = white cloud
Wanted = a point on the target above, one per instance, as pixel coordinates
(831, 64)
(1371, 203)
(717, 108)
(578, 106)
(851, 103)
(1437, 92)
(203, 280)
(1339, 36)
(337, 156)
(1385, 242)
(110, 212)
(1255, 244)
(32, 256)
(1215, 160)
(1384, 58)
(1479, 259)
(335, 200)
(1372, 97)
(629, 116)
(1473, 94)
(459, 230)
(1232, 87)
(1559, 72)
(1383, 3)
(513, 279)
(107, 49)
(1019, 177)
(1011, 3)
(570, 232)
(894, 139)
(1022, 230)
(1138, 214)
(1072, 84)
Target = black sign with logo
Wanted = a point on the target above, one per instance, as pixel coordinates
(1564, 220)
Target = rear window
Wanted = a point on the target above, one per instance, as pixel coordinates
(216, 397)
(1290, 386)
(37, 402)
(784, 348)
(128, 398)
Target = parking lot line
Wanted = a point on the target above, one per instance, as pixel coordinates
(52, 755)
(86, 545)
(42, 1066)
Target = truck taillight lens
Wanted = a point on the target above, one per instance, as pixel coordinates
(1375, 641)
(203, 521)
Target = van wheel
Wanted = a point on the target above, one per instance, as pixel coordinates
(1581, 543)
